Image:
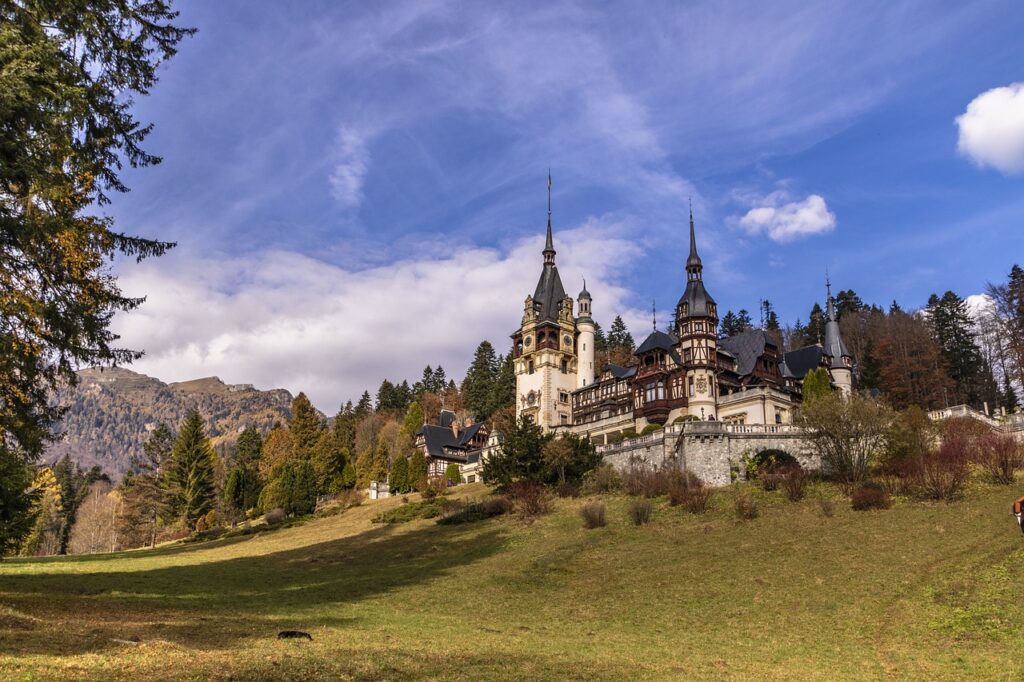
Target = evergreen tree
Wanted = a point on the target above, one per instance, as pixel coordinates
(190, 472)
(68, 77)
(520, 457)
(452, 474)
(770, 317)
(364, 406)
(814, 332)
(329, 460)
(600, 340)
(417, 470)
(292, 490)
(619, 336)
(504, 384)
(411, 425)
(728, 326)
(147, 502)
(953, 330)
(848, 302)
(276, 451)
(398, 479)
(305, 427)
(816, 384)
(743, 321)
(345, 427)
(478, 387)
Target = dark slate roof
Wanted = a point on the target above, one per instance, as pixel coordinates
(447, 417)
(620, 372)
(440, 441)
(547, 299)
(696, 296)
(657, 340)
(800, 362)
(746, 347)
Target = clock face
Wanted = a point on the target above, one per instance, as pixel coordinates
(528, 340)
(567, 340)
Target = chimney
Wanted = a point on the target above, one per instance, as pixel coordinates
(467, 422)
(455, 427)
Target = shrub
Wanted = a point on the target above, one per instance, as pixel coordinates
(351, 498)
(687, 490)
(428, 509)
(593, 514)
(452, 475)
(1001, 456)
(651, 428)
(684, 418)
(639, 512)
(529, 498)
(794, 483)
(746, 506)
(478, 511)
(274, 516)
(942, 474)
(628, 433)
(613, 437)
(870, 495)
(567, 489)
(826, 506)
(603, 479)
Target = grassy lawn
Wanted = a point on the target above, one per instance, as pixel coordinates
(917, 591)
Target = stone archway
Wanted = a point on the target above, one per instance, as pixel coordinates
(770, 459)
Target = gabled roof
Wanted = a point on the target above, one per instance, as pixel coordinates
(801, 361)
(441, 443)
(620, 372)
(657, 340)
(747, 347)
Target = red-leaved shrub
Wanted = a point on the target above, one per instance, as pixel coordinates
(870, 495)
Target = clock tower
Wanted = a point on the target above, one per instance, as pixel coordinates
(544, 347)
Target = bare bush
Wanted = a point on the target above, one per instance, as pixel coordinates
(847, 432)
(640, 512)
(529, 498)
(687, 490)
(746, 506)
(1001, 456)
(942, 474)
(603, 479)
(794, 482)
(593, 514)
(274, 516)
(870, 495)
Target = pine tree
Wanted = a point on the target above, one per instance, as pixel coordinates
(305, 427)
(848, 302)
(345, 427)
(520, 457)
(398, 479)
(743, 321)
(478, 386)
(147, 501)
(364, 406)
(417, 470)
(814, 332)
(816, 384)
(329, 459)
(411, 425)
(504, 394)
(619, 337)
(728, 326)
(953, 330)
(191, 471)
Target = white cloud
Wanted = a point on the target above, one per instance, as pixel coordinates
(785, 222)
(350, 167)
(992, 129)
(281, 319)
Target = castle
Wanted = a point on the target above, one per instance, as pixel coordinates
(735, 387)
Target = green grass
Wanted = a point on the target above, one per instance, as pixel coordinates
(916, 591)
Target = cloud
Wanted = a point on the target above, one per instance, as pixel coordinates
(784, 222)
(992, 129)
(282, 319)
(350, 167)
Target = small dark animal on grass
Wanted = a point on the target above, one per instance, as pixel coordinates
(294, 634)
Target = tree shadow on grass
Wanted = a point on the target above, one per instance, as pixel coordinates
(211, 605)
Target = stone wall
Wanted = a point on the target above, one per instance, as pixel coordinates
(712, 450)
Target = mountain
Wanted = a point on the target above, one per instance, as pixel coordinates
(112, 410)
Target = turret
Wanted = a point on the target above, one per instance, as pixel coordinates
(585, 339)
(544, 347)
(697, 326)
(841, 362)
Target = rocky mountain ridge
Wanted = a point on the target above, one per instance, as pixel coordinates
(112, 410)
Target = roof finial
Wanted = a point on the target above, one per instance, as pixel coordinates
(654, 315)
(694, 260)
(549, 245)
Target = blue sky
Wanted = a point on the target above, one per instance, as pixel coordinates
(359, 189)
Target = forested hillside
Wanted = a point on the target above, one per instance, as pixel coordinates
(111, 412)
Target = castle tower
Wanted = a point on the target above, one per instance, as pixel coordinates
(586, 330)
(841, 364)
(544, 347)
(697, 327)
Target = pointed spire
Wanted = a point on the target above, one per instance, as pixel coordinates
(693, 264)
(654, 315)
(549, 245)
(830, 308)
